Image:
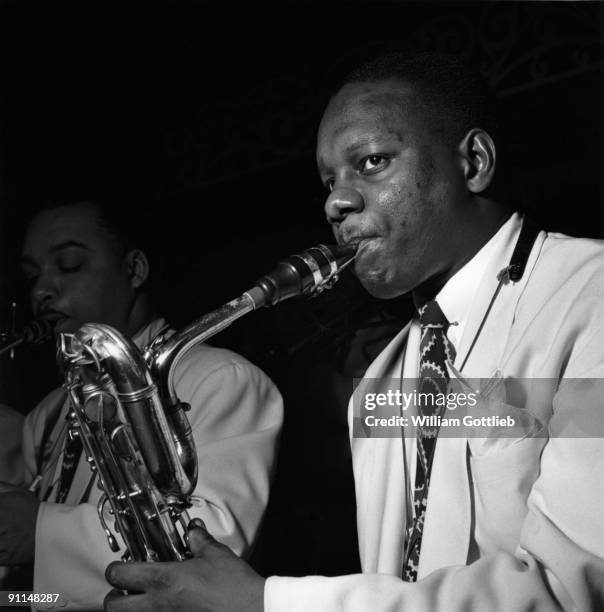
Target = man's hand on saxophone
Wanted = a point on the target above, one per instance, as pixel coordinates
(214, 580)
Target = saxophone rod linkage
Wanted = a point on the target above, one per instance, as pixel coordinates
(301, 274)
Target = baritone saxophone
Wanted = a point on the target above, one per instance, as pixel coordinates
(133, 426)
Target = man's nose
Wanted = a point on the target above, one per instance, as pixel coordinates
(44, 289)
(341, 203)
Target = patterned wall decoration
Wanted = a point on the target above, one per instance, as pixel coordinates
(518, 47)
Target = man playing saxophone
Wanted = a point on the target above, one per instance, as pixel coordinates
(449, 520)
(83, 266)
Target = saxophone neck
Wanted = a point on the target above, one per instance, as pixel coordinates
(164, 354)
(307, 273)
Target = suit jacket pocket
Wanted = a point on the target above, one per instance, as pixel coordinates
(501, 483)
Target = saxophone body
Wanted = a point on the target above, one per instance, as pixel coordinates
(134, 428)
(143, 454)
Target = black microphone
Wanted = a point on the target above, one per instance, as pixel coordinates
(35, 332)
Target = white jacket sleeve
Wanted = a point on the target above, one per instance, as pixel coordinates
(236, 416)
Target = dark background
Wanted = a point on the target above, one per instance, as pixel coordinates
(203, 122)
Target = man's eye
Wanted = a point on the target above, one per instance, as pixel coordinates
(69, 262)
(373, 163)
(329, 185)
(70, 267)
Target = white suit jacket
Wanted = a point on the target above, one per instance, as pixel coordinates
(520, 527)
(235, 416)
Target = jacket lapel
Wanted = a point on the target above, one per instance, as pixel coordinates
(379, 472)
(449, 514)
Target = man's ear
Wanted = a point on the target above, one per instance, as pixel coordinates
(477, 150)
(138, 267)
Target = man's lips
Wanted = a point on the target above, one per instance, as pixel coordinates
(51, 315)
(355, 240)
(360, 242)
(54, 317)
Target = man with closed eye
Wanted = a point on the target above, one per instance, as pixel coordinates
(83, 266)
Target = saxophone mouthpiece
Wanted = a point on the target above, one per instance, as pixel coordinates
(307, 273)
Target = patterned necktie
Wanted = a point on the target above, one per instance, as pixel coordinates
(435, 351)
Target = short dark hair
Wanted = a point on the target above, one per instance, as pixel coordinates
(454, 97)
(125, 219)
(113, 213)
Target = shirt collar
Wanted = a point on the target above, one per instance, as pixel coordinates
(458, 294)
(147, 334)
